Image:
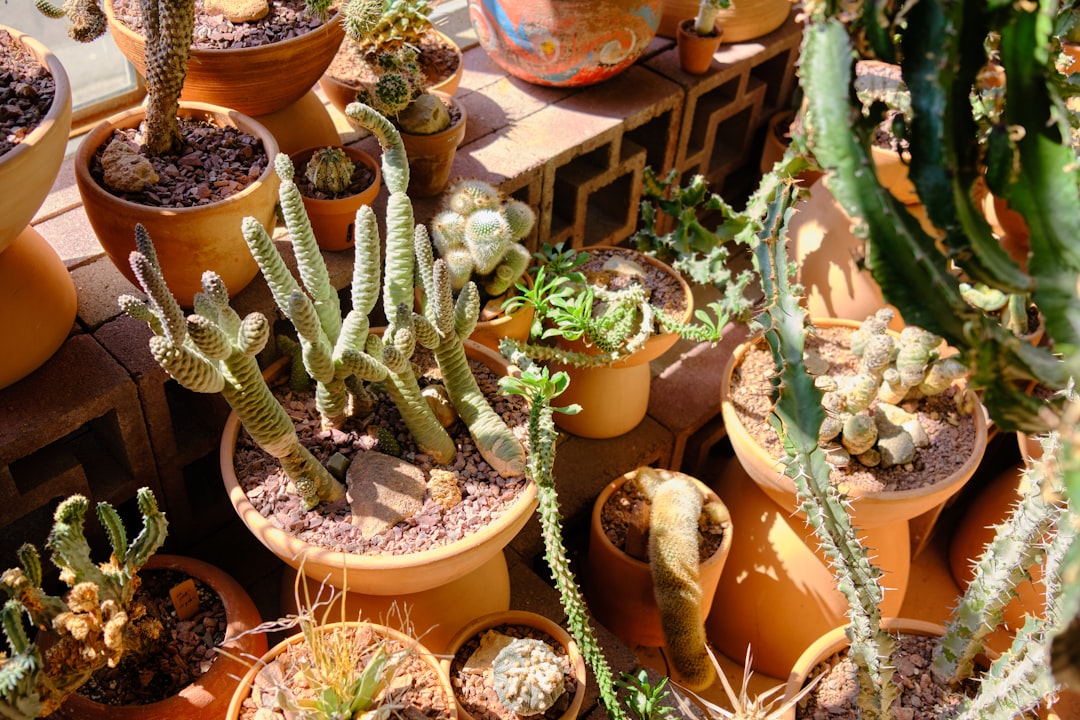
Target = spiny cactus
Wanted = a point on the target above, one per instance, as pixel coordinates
(478, 233)
(96, 623)
(386, 24)
(676, 514)
(330, 170)
(86, 19)
(528, 676)
(212, 351)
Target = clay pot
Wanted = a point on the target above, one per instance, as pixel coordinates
(332, 220)
(620, 587)
(37, 297)
(209, 696)
(243, 690)
(191, 240)
(301, 124)
(749, 20)
(431, 157)
(528, 619)
(516, 326)
(696, 51)
(777, 593)
(615, 398)
(569, 43)
(249, 80)
(449, 585)
(340, 92)
(868, 509)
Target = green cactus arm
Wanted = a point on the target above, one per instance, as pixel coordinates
(366, 259)
(187, 367)
(22, 672)
(539, 388)
(152, 535)
(114, 531)
(278, 278)
(466, 310)
(162, 303)
(67, 540)
(49, 10)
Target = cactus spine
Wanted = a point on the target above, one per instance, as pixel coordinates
(528, 676)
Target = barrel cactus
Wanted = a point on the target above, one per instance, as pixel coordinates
(330, 170)
(528, 676)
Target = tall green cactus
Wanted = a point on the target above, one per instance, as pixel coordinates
(212, 351)
(96, 623)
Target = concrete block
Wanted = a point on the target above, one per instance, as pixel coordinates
(98, 285)
(71, 236)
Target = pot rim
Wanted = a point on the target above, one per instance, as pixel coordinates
(356, 155)
(61, 103)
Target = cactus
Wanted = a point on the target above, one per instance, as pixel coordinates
(708, 12)
(213, 350)
(528, 676)
(386, 24)
(97, 622)
(330, 170)
(478, 233)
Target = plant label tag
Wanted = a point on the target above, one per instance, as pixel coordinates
(185, 599)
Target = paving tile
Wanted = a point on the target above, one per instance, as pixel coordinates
(64, 194)
(480, 70)
(98, 285)
(72, 237)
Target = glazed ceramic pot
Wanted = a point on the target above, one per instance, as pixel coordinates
(696, 51)
(189, 240)
(209, 696)
(332, 219)
(430, 661)
(619, 587)
(37, 296)
(564, 43)
(746, 20)
(524, 619)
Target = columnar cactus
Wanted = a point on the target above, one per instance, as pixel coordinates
(478, 233)
(528, 676)
(212, 351)
(97, 622)
(330, 170)
(708, 12)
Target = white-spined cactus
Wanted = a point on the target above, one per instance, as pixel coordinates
(528, 676)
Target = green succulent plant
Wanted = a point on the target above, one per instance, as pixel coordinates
(330, 170)
(707, 14)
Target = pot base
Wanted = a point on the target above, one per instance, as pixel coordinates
(301, 124)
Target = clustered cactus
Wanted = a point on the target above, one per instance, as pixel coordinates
(863, 418)
(386, 24)
(528, 676)
(330, 170)
(478, 233)
(96, 623)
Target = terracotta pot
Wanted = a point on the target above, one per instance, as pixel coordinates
(301, 124)
(891, 168)
(340, 92)
(528, 619)
(249, 80)
(332, 220)
(188, 241)
(28, 170)
(620, 587)
(243, 690)
(835, 641)
(431, 157)
(777, 139)
(391, 575)
(615, 398)
(209, 696)
(749, 20)
(569, 43)
(868, 509)
(777, 593)
(696, 51)
(516, 326)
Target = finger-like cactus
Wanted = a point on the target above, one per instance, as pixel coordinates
(528, 676)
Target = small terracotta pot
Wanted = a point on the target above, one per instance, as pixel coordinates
(243, 690)
(431, 157)
(696, 51)
(249, 80)
(209, 696)
(190, 240)
(332, 220)
(620, 587)
(749, 20)
(528, 619)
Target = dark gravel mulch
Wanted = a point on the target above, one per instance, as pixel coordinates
(26, 92)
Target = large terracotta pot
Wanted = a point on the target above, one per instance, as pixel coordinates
(332, 220)
(620, 587)
(431, 157)
(615, 398)
(777, 593)
(745, 20)
(188, 241)
(243, 690)
(251, 80)
(521, 618)
(564, 43)
(37, 297)
(209, 696)
(868, 509)
(452, 584)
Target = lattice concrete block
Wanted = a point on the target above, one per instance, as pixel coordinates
(73, 425)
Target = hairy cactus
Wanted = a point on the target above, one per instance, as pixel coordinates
(528, 676)
(96, 623)
(214, 350)
(330, 170)
(478, 233)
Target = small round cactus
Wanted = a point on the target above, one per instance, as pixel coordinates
(330, 170)
(528, 676)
